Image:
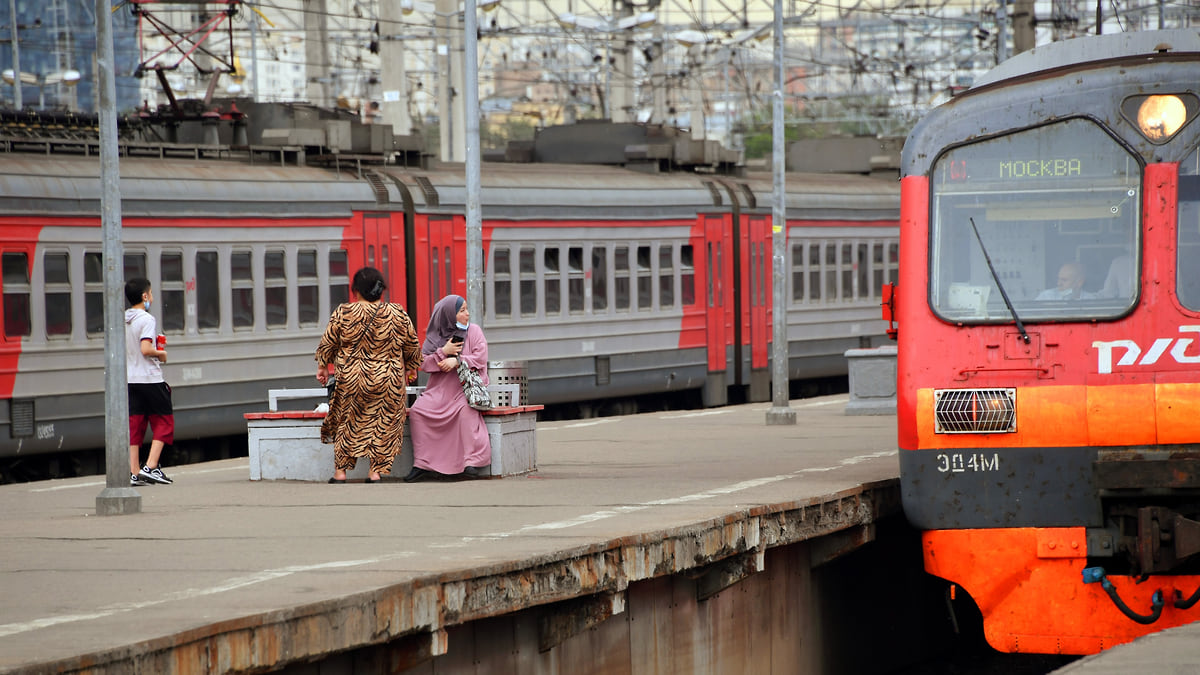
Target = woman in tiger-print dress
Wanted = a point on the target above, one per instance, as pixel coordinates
(374, 348)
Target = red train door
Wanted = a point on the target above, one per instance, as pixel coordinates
(434, 262)
(716, 250)
(377, 250)
(760, 291)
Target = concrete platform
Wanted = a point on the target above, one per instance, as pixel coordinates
(1175, 651)
(222, 574)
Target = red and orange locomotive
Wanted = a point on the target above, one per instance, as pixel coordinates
(1049, 341)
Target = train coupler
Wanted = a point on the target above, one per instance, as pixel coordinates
(1093, 575)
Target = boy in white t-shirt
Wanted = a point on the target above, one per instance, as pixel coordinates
(149, 394)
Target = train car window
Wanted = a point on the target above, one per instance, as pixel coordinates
(666, 277)
(621, 286)
(862, 267)
(831, 292)
(687, 276)
(879, 269)
(447, 263)
(57, 293)
(599, 279)
(797, 264)
(15, 272)
(502, 281)
(526, 263)
(761, 273)
(434, 278)
(575, 279)
(135, 265)
(1188, 273)
(170, 293)
(552, 280)
(93, 292)
(846, 268)
(306, 287)
(241, 281)
(814, 271)
(645, 282)
(339, 278)
(208, 291)
(1053, 206)
(893, 263)
(275, 281)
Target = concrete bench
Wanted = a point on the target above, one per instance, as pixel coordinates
(286, 445)
(274, 396)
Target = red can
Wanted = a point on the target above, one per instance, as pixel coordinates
(161, 342)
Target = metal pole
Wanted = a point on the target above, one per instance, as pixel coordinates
(18, 104)
(474, 217)
(780, 412)
(117, 498)
(1002, 32)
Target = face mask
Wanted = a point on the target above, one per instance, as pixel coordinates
(147, 305)
(461, 326)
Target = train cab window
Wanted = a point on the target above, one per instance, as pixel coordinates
(339, 278)
(15, 273)
(306, 287)
(666, 277)
(528, 271)
(208, 291)
(57, 292)
(1188, 273)
(645, 292)
(1063, 197)
(93, 292)
(621, 286)
(599, 279)
(687, 276)
(241, 280)
(275, 280)
(170, 292)
(575, 279)
(552, 279)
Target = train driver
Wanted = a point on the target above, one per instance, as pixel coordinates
(1069, 286)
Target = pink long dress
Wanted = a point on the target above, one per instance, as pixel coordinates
(449, 435)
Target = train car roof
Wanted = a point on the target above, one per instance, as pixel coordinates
(824, 196)
(66, 185)
(1053, 85)
(535, 191)
(1094, 48)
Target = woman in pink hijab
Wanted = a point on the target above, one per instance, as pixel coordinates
(449, 436)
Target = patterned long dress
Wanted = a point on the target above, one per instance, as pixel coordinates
(371, 344)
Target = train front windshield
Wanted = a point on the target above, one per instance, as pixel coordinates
(1056, 209)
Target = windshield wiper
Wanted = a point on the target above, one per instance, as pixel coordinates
(996, 278)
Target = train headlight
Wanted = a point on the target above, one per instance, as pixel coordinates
(1160, 116)
(975, 411)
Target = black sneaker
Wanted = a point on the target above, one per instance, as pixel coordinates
(135, 480)
(154, 475)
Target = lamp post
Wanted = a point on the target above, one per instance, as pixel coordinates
(68, 77)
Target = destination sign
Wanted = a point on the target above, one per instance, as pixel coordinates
(1075, 149)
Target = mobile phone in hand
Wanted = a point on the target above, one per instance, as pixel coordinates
(456, 339)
